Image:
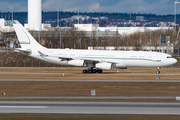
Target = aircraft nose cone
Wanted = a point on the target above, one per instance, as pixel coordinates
(174, 61)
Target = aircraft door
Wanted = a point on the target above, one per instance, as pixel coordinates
(80, 54)
(125, 56)
(158, 58)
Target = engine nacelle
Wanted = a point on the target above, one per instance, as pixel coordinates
(120, 66)
(105, 66)
(79, 63)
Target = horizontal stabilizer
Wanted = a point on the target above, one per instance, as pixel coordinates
(27, 52)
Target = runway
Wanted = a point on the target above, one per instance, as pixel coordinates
(40, 73)
(89, 80)
(119, 108)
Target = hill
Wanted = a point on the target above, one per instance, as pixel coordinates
(22, 17)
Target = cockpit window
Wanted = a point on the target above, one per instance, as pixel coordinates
(169, 57)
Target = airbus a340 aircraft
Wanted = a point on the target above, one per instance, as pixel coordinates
(99, 59)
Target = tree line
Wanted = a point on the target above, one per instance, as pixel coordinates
(78, 39)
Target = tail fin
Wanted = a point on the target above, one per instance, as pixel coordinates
(25, 38)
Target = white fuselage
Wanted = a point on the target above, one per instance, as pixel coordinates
(118, 58)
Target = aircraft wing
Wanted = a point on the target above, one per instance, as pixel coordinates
(99, 60)
(79, 58)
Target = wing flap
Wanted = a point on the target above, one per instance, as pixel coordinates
(99, 60)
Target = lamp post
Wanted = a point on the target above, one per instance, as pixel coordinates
(12, 11)
(78, 14)
(117, 37)
(175, 12)
(175, 17)
(57, 16)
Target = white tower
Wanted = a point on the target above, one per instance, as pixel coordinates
(34, 15)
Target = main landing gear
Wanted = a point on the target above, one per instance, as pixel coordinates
(158, 70)
(91, 66)
(92, 71)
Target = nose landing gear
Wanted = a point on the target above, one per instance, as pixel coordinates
(158, 70)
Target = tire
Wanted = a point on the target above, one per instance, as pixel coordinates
(84, 71)
(94, 71)
(99, 71)
(158, 72)
(89, 71)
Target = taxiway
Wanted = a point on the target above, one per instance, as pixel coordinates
(89, 80)
(120, 108)
(106, 73)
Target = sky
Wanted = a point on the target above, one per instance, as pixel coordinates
(160, 7)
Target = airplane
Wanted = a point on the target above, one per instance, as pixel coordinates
(99, 59)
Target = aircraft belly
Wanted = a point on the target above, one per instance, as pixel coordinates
(138, 63)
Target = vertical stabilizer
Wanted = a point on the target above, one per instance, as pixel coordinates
(25, 38)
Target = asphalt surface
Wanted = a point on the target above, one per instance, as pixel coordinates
(89, 80)
(40, 73)
(89, 98)
(119, 108)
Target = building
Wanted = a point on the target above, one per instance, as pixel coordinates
(7, 25)
(140, 18)
(121, 30)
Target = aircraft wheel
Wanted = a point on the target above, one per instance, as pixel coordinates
(85, 71)
(90, 71)
(99, 71)
(158, 72)
(94, 71)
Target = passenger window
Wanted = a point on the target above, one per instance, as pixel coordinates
(169, 57)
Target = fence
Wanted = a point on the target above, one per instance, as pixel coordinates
(27, 64)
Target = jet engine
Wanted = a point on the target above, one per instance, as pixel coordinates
(120, 66)
(105, 66)
(79, 63)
